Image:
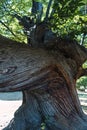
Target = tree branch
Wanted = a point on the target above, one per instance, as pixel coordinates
(7, 28)
(25, 21)
(81, 72)
(48, 10)
(21, 66)
(84, 72)
(37, 10)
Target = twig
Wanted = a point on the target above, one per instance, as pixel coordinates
(7, 28)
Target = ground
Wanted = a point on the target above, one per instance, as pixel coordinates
(9, 103)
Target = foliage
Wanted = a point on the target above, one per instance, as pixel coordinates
(68, 18)
(82, 83)
(9, 24)
(84, 65)
(11, 27)
(69, 21)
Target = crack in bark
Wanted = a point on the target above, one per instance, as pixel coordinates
(47, 78)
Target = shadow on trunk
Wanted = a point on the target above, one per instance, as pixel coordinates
(47, 77)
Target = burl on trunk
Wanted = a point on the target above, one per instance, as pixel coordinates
(47, 78)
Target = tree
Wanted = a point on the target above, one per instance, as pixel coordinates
(46, 72)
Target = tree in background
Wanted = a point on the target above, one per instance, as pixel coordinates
(47, 68)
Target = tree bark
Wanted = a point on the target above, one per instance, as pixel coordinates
(47, 78)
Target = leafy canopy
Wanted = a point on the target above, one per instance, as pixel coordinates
(68, 18)
(9, 24)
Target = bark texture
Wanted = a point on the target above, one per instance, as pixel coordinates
(47, 77)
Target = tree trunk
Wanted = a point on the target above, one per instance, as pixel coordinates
(47, 78)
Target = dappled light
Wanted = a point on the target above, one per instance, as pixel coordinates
(81, 83)
(84, 65)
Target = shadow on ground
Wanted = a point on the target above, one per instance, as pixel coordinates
(11, 96)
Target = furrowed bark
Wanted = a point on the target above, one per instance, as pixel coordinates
(47, 78)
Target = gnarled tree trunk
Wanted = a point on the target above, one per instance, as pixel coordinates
(47, 78)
